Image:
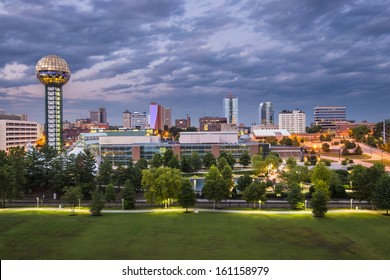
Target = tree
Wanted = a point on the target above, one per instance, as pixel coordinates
(215, 187)
(381, 195)
(273, 161)
(168, 155)
(243, 182)
(196, 161)
(286, 141)
(186, 197)
(209, 160)
(85, 167)
(325, 148)
(175, 131)
(98, 201)
(255, 192)
(136, 179)
(296, 198)
(320, 198)
(105, 172)
(12, 174)
(258, 164)
(110, 193)
(128, 195)
(156, 161)
(321, 172)
(174, 162)
(296, 175)
(72, 195)
(227, 175)
(245, 159)
(185, 164)
(291, 162)
(229, 158)
(358, 150)
(222, 162)
(161, 185)
(366, 180)
(360, 132)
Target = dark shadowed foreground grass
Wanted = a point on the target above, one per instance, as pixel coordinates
(55, 235)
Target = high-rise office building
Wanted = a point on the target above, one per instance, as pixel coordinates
(102, 115)
(292, 121)
(159, 116)
(134, 120)
(266, 113)
(230, 109)
(211, 123)
(94, 116)
(167, 117)
(126, 119)
(183, 123)
(53, 72)
(139, 120)
(98, 116)
(327, 116)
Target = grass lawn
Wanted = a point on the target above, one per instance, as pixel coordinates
(336, 155)
(175, 235)
(385, 161)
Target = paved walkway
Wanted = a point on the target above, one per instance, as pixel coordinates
(200, 210)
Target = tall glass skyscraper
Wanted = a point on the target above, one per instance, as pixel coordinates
(266, 113)
(230, 109)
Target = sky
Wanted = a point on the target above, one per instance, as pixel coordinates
(188, 55)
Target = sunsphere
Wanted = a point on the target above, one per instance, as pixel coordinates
(52, 70)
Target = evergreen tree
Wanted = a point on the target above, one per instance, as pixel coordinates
(296, 198)
(156, 161)
(186, 197)
(168, 155)
(320, 198)
(128, 195)
(110, 193)
(105, 173)
(98, 202)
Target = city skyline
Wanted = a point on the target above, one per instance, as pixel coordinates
(189, 55)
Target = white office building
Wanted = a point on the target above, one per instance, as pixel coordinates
(292, 121)
(15, 133)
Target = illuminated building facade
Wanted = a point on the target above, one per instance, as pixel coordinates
(53, 72)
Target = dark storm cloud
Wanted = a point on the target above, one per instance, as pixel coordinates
(297, 53)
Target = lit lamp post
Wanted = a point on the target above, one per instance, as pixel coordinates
(123, 204)
(37, 202)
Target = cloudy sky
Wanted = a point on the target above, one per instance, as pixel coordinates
(189, 54)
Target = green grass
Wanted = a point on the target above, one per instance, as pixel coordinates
(56, 235)
(336, 155)
(385, 161)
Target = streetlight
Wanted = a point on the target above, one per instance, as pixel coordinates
(351, 203)
(37, 202)
(123, 204)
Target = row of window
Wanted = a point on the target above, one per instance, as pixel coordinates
(22, 124)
